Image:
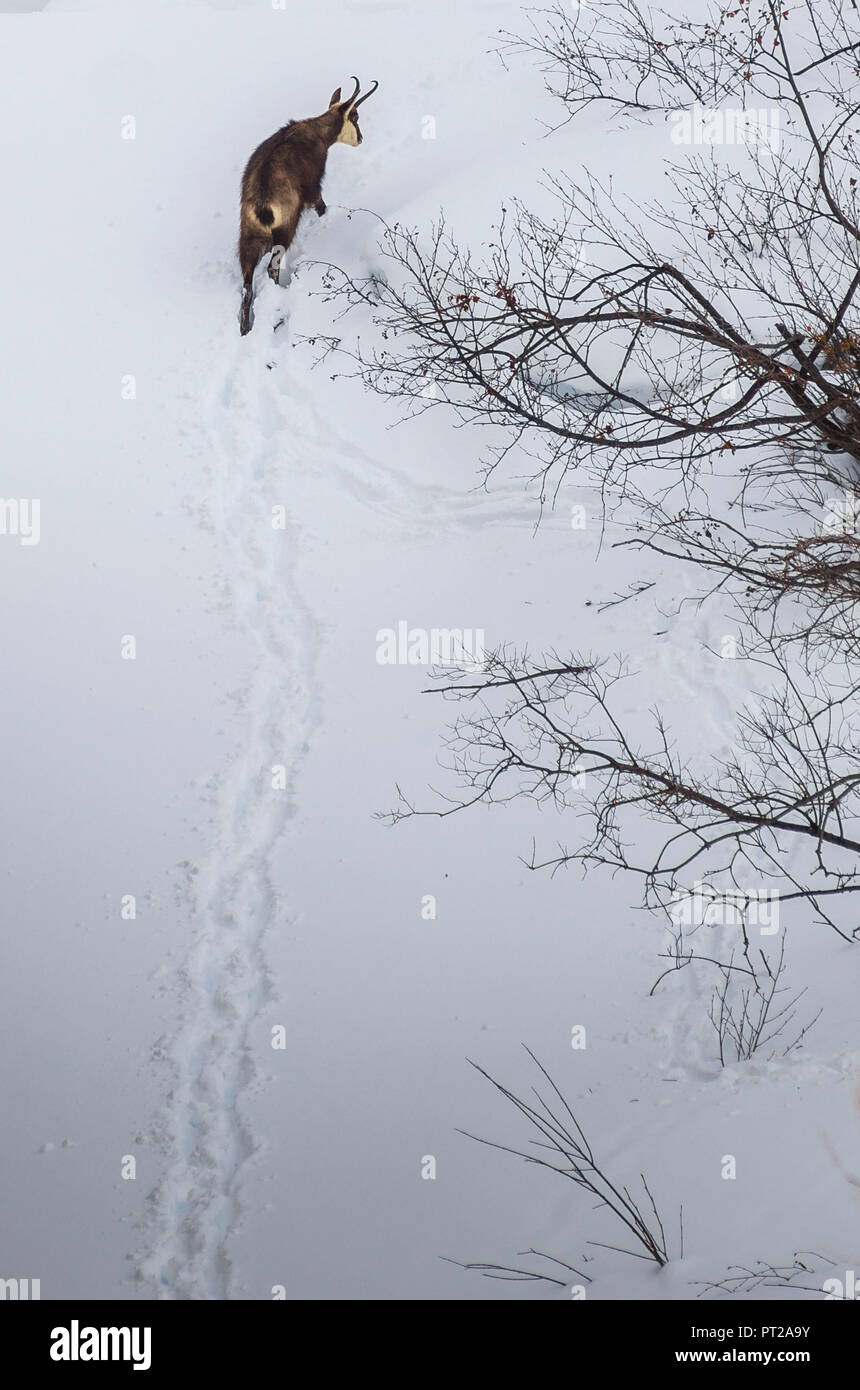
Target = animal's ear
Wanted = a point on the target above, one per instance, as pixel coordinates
(335, 98)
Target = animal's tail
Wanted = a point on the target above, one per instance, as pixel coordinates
(264, 214)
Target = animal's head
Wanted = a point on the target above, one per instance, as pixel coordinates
(349, 132)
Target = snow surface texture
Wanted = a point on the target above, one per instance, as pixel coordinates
(150, 1037)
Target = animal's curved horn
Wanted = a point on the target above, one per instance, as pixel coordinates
(367, 94)
(351, 99)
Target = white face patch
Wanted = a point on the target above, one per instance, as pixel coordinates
(348, 133)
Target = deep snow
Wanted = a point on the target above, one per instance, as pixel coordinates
(256, 647)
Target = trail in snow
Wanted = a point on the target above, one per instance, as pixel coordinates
(225, 981)
(263, 429)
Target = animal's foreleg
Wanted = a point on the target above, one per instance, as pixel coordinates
(319, 206)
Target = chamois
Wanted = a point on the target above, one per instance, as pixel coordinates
(283, 177)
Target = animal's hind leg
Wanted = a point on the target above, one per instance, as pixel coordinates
(251, 248)
(245, 312)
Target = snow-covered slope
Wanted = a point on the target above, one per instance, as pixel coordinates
(158, 444)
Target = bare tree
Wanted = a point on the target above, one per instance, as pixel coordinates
(697, 360)
(749, 1014)
(745, 1279)
(700, 361)
(550, 730)
(562, 1147)
(722, 319)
